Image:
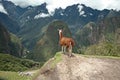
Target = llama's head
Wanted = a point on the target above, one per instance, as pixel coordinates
(60, 31)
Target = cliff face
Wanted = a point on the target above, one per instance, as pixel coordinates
(4, 40)
(80, 68)
(9, 43)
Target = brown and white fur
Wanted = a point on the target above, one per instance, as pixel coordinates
(65, 42)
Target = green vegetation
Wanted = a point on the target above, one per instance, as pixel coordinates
(7, 75)
(32, 32)
(99, 56)
(100, 38)
(104, 48)
(50, 64)
(57, 58)
(53, 61)
(4, 40)
(87, 35)
(48, 45)
(16, 46)
(9, 43)
(10, 63)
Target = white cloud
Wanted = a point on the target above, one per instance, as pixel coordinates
(41, 15)
(52, 4)
(2, 9)
(24, 3)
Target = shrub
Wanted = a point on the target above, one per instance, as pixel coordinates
(10, 63)
(104, 48)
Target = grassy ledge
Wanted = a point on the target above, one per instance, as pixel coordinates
(57, 59)
(50, 64)
(8, 75)
(98, 56)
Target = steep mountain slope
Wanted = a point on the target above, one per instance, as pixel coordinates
(62, 67)
(33, 13)
(9, 23)
(4, 40)
(87, 35)
(109, 37)
(49, 43)
(95, 32)
(32, 31)
(13, 10)
(36, 17)
(9, 43)
(78, 15)
(88, 26)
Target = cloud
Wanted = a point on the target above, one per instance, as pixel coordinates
(52, 4)
(2, 9)
(41, 15)
(24, 3)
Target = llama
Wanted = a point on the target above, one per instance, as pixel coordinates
(65, 42)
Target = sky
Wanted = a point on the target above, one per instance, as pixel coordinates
(52, 4)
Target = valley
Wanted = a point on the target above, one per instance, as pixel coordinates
(29, 42)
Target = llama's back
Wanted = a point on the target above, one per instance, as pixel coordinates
(67, 41)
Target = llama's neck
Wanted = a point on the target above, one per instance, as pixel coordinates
(60, 35)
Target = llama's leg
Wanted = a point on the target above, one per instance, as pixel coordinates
(62, 48)
(65, 49)
(70, 50)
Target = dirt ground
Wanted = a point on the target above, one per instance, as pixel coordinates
(82, 68)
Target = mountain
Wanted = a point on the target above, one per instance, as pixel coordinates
(13, 10)
(32, 31)
(4, 40)
(36, 17)
(9, 23)
(82, 14)
(86, 25)
(88, 34)
(33, 13)
(9, 43)
(77, 15)
(103, 34)
(49, 43)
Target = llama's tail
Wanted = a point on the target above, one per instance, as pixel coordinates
(72, 43)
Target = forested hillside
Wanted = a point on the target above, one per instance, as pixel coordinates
(35, 28)
(9, 43)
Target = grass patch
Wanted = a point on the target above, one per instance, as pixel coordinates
(99, 56)
(104, 49)
(50, 64)
(7, 75)
(57, 58)
(11, 63)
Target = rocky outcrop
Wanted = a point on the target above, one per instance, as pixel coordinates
(81, 68)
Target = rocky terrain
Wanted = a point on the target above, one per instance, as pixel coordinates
(79, 67)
